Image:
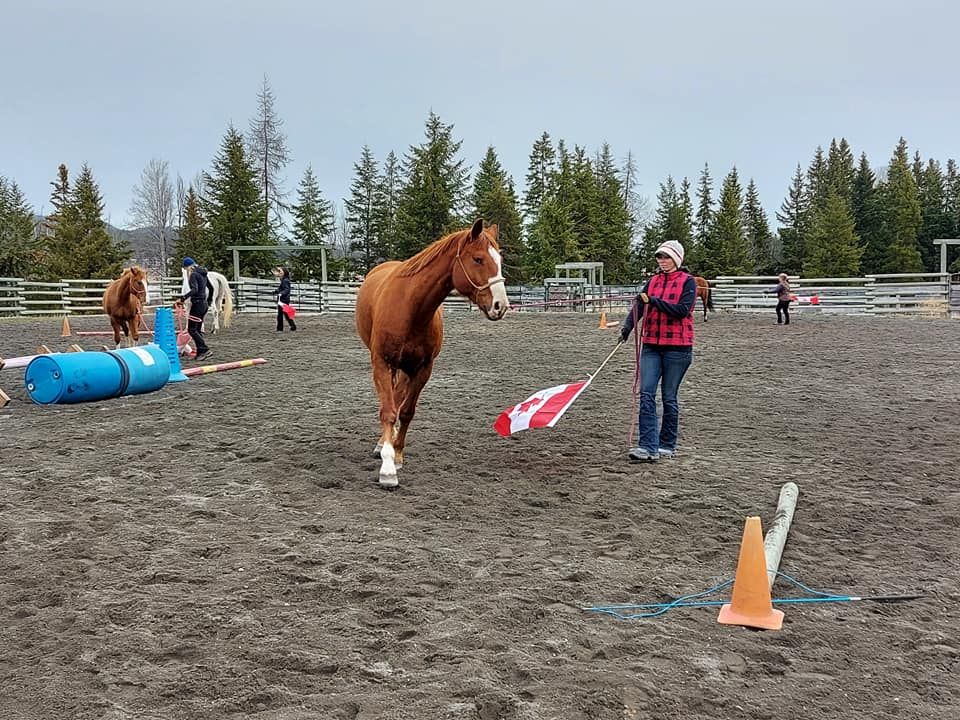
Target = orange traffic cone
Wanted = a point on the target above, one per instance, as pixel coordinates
(603, 321)
(65, 331)
(751, 604)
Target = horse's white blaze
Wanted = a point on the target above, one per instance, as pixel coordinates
(388, 468)
(497, 286)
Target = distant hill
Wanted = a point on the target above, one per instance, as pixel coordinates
(142, 243)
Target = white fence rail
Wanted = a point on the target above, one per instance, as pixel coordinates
(924, 293)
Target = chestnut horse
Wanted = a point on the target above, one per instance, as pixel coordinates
(705, 293)
(399, 317)
(123, 302)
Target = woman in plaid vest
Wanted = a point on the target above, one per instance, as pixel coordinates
(665, 306)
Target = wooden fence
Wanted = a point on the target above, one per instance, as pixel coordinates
(924, 294)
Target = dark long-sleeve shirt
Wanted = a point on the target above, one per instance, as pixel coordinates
(283, 292)
(201, 290)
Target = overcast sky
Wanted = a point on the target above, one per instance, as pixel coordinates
(756, 83)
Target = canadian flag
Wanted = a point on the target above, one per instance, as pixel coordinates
(542, 409)
(812, 299)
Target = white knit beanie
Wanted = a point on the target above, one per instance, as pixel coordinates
(674, 250)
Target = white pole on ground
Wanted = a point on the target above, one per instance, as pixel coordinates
(776, 536)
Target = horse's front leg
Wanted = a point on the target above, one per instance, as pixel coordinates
(116, 332)
(135, 331)
(409, 394)
(383, 377)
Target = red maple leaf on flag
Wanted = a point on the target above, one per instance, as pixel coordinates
(542, 409)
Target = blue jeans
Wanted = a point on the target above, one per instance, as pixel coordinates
(666, 368)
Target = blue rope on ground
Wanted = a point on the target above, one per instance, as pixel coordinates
(820, 596)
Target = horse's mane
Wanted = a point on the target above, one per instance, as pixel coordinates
(430, 253)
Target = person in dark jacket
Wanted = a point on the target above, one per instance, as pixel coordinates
(199, 294)
(666, 306)
(782, 291)
(283, 298)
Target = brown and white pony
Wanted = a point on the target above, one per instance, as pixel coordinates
(123, 302)
(399, 318)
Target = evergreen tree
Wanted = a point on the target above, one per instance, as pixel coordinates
(902, 214)
(18, 249)
(833, 248)
(552, 240)
(80, 246)
(494, 199)
(935, 220)
(818, 182)
(541, 170)
(234, 209)
(952, 202)
(361, 212)
(614, 229)
(868, 218)
(757, 229)
(703, 218)
(489, 173)
(312, 225)
(917, 169)
(584, 204)
(727, 252)
(191, 240)
(840, 168)
(389, 194)
(431, 201)
(267, 151)
(63, 210)
(792, 216)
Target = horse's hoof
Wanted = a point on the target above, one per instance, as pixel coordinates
(388, 481)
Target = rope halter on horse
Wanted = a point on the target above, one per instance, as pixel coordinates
(498, 278)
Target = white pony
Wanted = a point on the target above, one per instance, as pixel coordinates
(222, 298)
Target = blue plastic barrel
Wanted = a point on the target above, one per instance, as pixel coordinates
(87, 376)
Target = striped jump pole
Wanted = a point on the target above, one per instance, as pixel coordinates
(220, 367)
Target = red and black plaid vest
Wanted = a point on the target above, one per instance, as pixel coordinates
(659, 328)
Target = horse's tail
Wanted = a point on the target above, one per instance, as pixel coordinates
(227, 302)
(709, 297)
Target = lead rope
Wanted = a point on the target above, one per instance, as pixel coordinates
(637, 377)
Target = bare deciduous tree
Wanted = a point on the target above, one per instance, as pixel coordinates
(152, 206)
(181, 200)
(267, 144)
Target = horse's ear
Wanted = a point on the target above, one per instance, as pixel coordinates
(477, 229)
(494, 230)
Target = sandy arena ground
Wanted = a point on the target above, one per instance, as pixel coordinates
(220, 548)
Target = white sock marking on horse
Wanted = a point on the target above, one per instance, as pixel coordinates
(388, 469)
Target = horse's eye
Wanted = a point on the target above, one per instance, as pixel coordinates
(478, 260)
